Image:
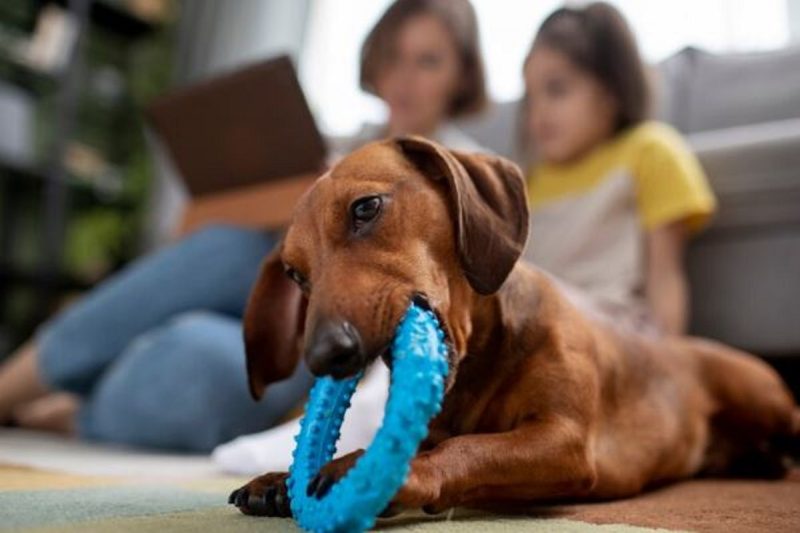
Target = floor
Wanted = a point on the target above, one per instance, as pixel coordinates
(49, 484)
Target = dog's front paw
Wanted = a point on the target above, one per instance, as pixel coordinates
(264, 496)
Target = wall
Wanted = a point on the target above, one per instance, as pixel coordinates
(794, 20)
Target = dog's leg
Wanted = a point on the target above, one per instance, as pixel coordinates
(757, 414)
(539, 460)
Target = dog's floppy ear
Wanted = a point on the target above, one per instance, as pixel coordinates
(490, 210)
(273, 326)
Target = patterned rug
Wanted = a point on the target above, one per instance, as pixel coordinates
(38, 500)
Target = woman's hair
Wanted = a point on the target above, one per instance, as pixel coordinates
(597, 39)
(459, 18)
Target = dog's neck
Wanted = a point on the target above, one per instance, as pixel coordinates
(478, 322)
(491, 335)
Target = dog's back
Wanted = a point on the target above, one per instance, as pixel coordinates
(670, 407)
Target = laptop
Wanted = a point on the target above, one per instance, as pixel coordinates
(248, 127)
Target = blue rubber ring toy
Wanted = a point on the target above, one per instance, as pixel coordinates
(419, 367)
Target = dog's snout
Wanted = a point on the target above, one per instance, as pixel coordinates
(334, 349)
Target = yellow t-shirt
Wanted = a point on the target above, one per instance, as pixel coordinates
(589, 217)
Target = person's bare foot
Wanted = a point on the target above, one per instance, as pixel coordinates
(55, 412)
(20, 382)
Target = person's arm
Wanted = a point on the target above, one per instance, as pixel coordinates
(675, 201)
(666, 286)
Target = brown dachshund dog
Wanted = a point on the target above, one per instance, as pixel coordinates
(545, 399)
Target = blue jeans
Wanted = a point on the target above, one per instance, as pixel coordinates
(156, 351)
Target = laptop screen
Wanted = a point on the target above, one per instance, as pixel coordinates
(242, 128)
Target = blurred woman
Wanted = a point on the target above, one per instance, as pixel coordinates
(154, 356)
(422, 59)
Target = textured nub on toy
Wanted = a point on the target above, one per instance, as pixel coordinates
(419, 368)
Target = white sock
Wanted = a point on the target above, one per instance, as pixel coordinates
(271, 450)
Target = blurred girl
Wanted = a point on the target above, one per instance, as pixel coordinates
(613, 196)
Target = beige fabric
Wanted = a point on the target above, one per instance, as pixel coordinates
(594, 242)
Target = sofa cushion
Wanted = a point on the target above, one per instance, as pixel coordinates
(497, 129)
(705, 91)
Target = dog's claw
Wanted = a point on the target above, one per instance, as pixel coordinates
(311, 488)
(320, 485)
(256, 505)
(242, 497)
(264, 496)
(268, 501)
(282, 506)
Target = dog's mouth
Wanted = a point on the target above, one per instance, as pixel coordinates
(421, 300)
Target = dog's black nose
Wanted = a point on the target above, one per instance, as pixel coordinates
(334, 349)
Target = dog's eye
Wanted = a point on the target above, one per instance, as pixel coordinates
(365, 210)
(297, 277)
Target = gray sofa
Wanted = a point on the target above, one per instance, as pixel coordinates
(741, 115)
